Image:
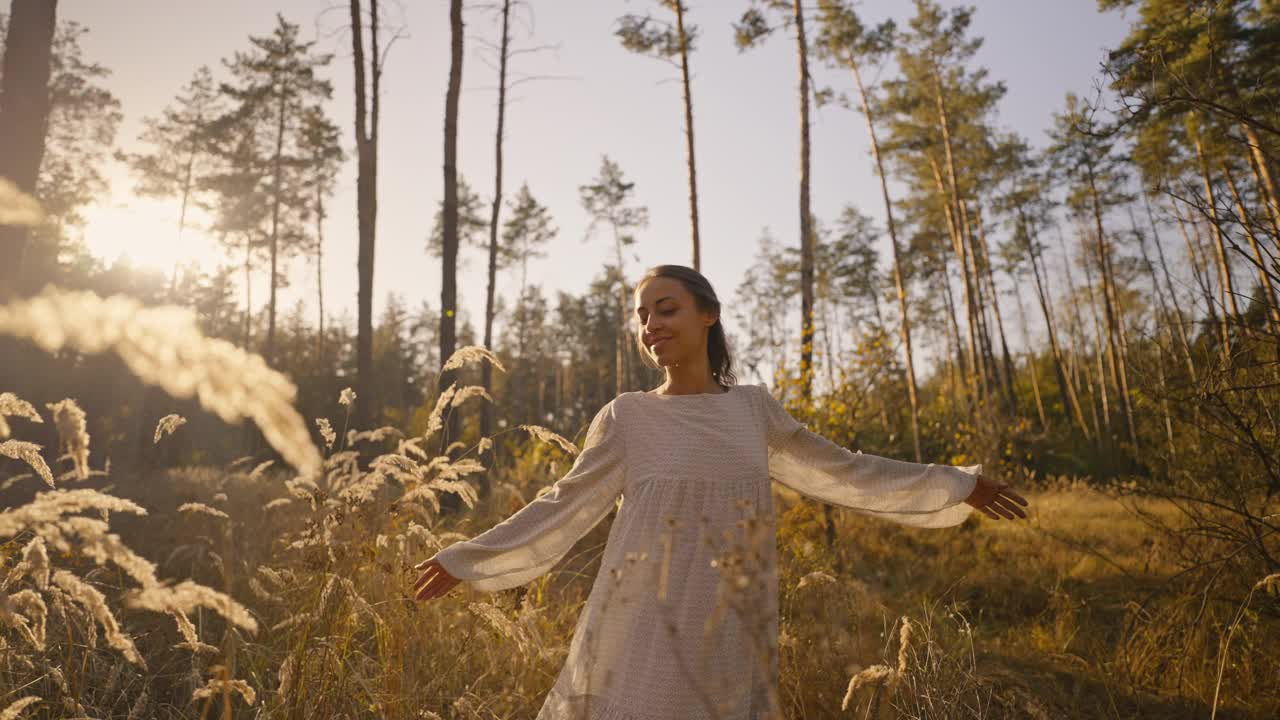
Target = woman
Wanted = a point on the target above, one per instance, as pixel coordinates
(681, 621)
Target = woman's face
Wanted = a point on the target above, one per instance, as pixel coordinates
(671, 326)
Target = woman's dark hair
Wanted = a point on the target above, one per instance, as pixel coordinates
(717, 344)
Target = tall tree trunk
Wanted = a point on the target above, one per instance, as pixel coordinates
(678, 5)
(959, 385)
(968, 269)
(898, 283)
(277, 192)
(1174, 305)
(320, 274)
(975, 382)
(1076, 329)
(366, 202)
(449, 266)
(1167, 330)
(986, 356)
(248, 292)
(806, 216)
(621, 346)
(1270, 307)
(1262, 169)
(1115, 330)
(1230, 311)
(188, 172)
(486, 369)
(1199, 267)
(1066, 387)
(24, 118)
(995, 309)
(1102, 344)
(1031, 361)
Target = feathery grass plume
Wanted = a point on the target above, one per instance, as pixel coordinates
(50, 506)
(239, 463)
(30, 454)
(471, 353)
(102, 547)
(346, 397)
(34, 563)
(504, 626)
(546, 435)
(282, 578)
(435, 420)
(376, 435)
(18, 208)
(362, 490)
(139, 706)
(195, 507)
(814, 578)
(257, 471)
(904, 645)
(30, 626)
(163, 346)
(467, 392)
(13, 406)
(167, 425)
(219, 685)
(91, 600)
(190, 640)
(220, 497)
(326, 432)
(874, 676)
(14, 480)
(294, 619)
(14, 711)
(72, 433)
(187, 596)
(1270, 582)
(278, 502)
(47, 516)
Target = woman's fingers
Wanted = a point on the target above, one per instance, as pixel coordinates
(1000, 510)
(1004, 490)
(430, 574)
(433, 582)
(1009, 505)
(426, 586)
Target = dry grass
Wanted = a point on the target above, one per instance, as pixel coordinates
(286, 594)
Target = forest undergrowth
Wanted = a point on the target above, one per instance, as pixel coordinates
(283, 590)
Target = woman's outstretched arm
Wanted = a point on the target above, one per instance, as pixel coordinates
(918, 494)
(536, 537)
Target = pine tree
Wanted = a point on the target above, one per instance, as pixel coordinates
(845, 42)
(608, 200)
(24, 119)
(670, 41)
(751, 29)
(179, 153)
(275, 84)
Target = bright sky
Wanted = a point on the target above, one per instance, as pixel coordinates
(592, 97)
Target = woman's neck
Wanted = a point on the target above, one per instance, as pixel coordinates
(682, 384)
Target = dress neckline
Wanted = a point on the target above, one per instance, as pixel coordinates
(728, 391)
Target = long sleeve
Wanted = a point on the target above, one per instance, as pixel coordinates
(921, 495)
(533, 539)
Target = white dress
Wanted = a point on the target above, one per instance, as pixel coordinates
(681, 621)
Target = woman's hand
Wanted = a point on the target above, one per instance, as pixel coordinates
(434, 580)
(996, 500)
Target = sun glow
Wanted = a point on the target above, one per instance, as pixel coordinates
(144, 233)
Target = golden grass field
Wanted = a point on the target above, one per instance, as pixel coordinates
(274, 590)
